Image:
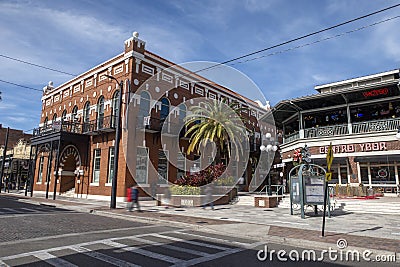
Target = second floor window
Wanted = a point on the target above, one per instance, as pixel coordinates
(100, 113)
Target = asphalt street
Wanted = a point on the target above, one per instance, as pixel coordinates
(39, 235)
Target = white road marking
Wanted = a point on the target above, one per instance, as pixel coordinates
(190, 242)
(142, 252)
(53, 260)
(12, 210)
(171, 247)
(46, 255)
(217, 239)
(29, 209)
(75, 234)
(102, 257)
(2, 264)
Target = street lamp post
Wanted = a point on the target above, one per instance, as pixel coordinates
(270, 147)
(113, 202)
(398, 138)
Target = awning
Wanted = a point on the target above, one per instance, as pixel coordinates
(378, 158)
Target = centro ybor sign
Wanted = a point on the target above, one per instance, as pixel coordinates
(364, 147)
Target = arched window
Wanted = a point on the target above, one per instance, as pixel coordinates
(115, 108)
(86, 117)
(182, 112)
(74, 113)
(144, 104)
(144, 110)
(182, 116)
(100, 112)
(46, 120)
(54, 118)
(64, 116)
(164, 109)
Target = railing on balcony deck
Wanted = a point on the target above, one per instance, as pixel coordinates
(333, 130)
(92, 127)
(376, 126)
(342, 129)
(291, 137)
(155, 125)
(58, 126)
(105, 124)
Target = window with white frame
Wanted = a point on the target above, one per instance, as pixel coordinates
(111, 158)
(142, 159)
(180, 165)
(96, 166)
(162, 166)
(40, 172)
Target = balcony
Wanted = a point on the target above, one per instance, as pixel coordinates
(106, 124)
(385, 125)
(94, 127)
(58, 126)
(155, 125)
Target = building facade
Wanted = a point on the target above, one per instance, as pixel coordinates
(360, 117)
(74, 146)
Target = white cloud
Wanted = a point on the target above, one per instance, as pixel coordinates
(258, 5)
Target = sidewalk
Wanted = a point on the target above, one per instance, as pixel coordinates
(380, 233)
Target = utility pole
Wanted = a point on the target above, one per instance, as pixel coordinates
(4, 158)
(113, 202)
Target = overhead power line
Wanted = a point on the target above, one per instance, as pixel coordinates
(246, 55)
(37, 65)
(23, 86)
(299, 38)
(315, 42)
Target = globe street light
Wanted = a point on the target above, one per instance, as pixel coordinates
(270, 147)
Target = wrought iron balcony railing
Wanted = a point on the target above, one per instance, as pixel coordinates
(105, 124)
(385, 125)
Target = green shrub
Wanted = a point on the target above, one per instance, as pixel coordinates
(185, 190)
(225, 181)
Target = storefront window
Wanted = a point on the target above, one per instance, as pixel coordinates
(364, 174)
(343, 174)
(383, 174)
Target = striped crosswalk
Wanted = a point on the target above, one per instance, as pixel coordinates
(175, 247)
(28, 211)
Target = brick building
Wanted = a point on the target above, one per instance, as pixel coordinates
(360, 117)
(75, 142)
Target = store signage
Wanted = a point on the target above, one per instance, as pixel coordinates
(350, 148)
(376, 92)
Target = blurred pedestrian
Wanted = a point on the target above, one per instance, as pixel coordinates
(134, 198)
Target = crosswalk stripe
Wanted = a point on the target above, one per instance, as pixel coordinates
(208, 258)
(216, 239)
(3, 264)
(12, 210)
(53, 260)
(190, 242)
(142, 252)
(102, 257)
(27, 209)
(171, 247)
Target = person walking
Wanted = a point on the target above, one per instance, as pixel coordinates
(134, 199)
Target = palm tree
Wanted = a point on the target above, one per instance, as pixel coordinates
(217, 122)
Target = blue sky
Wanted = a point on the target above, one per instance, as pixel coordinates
(74, 36)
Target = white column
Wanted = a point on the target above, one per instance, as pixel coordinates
(358, 172)
(369, 175)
